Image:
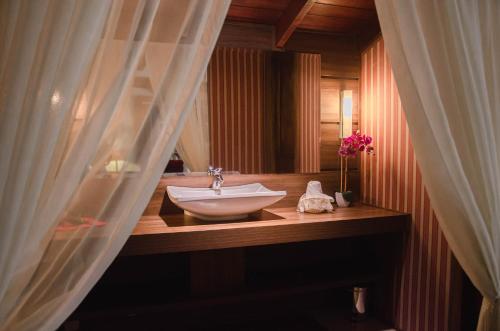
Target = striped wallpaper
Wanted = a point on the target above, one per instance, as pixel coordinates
(308, 85)
(236, 100)
(391, 179)
(236, 93)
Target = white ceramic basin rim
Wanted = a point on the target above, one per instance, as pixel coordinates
(182, 194)
(233, 202)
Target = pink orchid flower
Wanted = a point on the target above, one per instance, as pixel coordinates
(355, 143)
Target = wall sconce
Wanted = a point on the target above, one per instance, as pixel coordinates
(56, 98)
(115, 166)
(345, 130)
(346, 104)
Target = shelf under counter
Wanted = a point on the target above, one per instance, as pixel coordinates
(181, 233)
(278, 269)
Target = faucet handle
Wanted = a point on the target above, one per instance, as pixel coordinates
(214, 171)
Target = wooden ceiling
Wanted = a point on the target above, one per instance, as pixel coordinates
(355, 17)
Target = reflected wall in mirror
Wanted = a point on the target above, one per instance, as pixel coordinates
(263, 111)
(331, 91)
(236, 96)
(193, 146)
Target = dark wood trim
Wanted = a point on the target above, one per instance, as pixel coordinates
(456, 285)
(339, 77)
(470, 304)
(290, 20)
(365, 44)
(270, 115)
(247, 35)
(217, 271)
(456, 295)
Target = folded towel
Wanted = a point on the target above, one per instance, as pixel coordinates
(314, 200)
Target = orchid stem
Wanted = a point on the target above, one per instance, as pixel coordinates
(345, 174)
(341, 173)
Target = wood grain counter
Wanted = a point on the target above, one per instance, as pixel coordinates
(180, 233)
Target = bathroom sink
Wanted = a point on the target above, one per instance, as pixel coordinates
(231, 203)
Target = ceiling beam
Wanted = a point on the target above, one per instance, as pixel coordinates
(290, 20)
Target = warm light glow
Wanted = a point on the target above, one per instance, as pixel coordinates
(56, 98)
(117, 166)
(82, 109)
(346, 105)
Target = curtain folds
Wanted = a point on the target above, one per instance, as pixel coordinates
(194, 143)
(446, 61)
(84, 137)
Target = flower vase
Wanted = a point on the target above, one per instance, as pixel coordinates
(343, 199)
(349, 148)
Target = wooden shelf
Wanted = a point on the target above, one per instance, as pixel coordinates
(289, 285)
(330, 318)
(179, 233)
(280, 302)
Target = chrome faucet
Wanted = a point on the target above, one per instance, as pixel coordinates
(218, 179)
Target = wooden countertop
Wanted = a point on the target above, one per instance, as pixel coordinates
(180, 233)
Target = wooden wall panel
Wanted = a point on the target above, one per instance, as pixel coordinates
(238, 83)
(236, 88)
(330, 120)
(282, 110)
(308, 103)
(340, 55)
(247, 35)
(253, 14)
(391, 179)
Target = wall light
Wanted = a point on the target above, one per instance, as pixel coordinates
(118, 165)
(346, 105)
(56, 98)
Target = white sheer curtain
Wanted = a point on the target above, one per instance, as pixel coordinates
(446, 61)
(84, 138)
(194, 143)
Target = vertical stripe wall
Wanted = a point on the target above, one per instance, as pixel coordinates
(308, 99)
(236, 88)
(391, 179)
(236, 93)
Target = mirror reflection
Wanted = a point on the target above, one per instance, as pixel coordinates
(262, 111)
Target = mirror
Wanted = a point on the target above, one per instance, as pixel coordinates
(268, 112)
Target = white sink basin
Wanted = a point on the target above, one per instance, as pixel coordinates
(233, 202)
